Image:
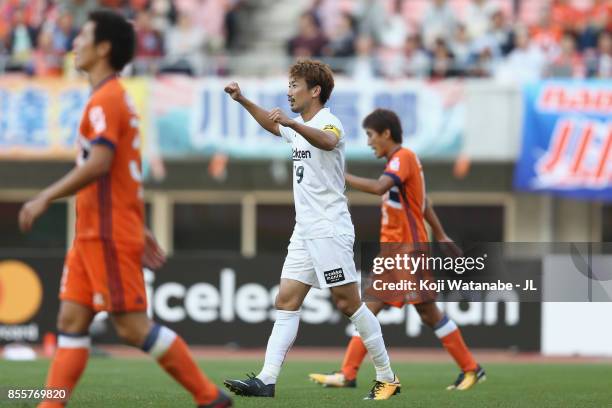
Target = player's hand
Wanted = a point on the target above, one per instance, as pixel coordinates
(153, 256)
(31, 211)
(448, 247)
(233, 90)
(278, 116)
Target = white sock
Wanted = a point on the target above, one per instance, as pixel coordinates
(158, 341)
(369, 329)
(65, 340)
(444, 327)
(281, 339)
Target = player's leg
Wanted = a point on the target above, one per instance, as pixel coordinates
(172, 354)
(290, 297)
(74, 318)
(118, 281)
(452, 340)
(348, 301)
(353, 357)
(72, 352)
(335, 268)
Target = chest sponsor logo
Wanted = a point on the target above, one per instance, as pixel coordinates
(301, 154)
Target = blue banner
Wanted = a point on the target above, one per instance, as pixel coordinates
(567, 140)
(183, 117)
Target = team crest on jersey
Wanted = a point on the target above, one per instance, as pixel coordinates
(394, 164)
(334, 276)
(97, 119)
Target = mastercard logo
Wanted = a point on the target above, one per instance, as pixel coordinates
(20, 292)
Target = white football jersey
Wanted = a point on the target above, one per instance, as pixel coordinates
(321, 208)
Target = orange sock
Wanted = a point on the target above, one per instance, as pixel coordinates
(173, 355)
(353, 358)
(67, 366)
(452, 340)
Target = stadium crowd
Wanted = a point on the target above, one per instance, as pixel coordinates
(507, 39)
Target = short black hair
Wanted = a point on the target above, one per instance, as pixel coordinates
(114, 28)
(383, 119)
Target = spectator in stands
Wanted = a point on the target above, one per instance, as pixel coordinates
(438, 22)
(415, 60)
(371, 15)
(231, 24)
(363, 67)
(78, 9)
(63, 34)
(342, 41)
(526, 61)
(569, 63)
(163, 15)
(442, 61)
(209, 15)
(597, 19)
(149, 45)
(185, 47)
(600, 64)
(392, 33)
(546, 35)
(341, 44)
(501, 32)
(461, 46)
(22, 40)
(600, 15)
(566, 16)
(329, 12)
(47, 59)
(477, 17)
(485, 58)
(310, 40)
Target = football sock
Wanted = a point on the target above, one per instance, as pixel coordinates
(172, 353)
(452, 340)
(369, 329)
(67, 365)
(353, 358)
(281, 339)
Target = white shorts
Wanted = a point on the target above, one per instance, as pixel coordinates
(321, 262)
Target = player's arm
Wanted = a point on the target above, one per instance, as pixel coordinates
(153, 256)
(321, 139)
(434, 222)
(261, 115)
(448, 245)
(97, 164)
(367, 185)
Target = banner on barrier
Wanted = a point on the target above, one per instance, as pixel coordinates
(186, 117)
(215, 300)
(39, 119)
(567, 140)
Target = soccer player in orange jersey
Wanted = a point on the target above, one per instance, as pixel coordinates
(103, 269)
(404, 210)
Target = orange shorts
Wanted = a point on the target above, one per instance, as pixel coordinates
(104, 276)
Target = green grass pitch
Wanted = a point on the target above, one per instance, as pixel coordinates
(114, 382)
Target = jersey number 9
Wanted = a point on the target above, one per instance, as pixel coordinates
(299, 172)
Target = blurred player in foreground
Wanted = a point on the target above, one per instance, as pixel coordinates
(320, 251)
(103, 269)
(404, 211)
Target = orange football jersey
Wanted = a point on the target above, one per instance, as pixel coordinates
(111, 208)
(403, 205)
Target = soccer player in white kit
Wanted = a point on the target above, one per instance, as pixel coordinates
(320, 251)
